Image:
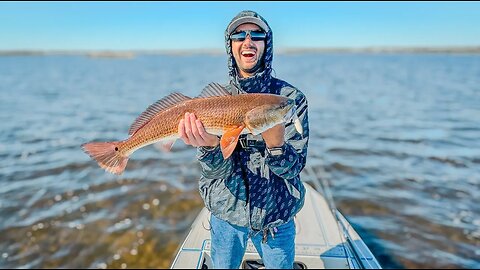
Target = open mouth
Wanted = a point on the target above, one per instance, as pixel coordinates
(248, 54)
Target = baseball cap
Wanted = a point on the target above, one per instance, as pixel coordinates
(247, 19)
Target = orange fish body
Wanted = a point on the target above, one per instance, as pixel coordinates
(220, 113)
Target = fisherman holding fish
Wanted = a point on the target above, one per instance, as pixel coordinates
(252, 138)
(255, 192)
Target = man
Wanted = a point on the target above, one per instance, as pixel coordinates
(256, 192)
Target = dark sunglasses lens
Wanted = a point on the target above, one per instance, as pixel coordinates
(240, 36)
(254, 35)
(258, 35)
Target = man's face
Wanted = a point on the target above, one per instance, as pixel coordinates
(247, 53)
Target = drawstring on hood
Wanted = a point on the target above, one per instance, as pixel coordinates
(261, 82)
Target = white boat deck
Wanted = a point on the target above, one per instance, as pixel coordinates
(320, 240)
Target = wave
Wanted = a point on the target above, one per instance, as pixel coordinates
(450, 161)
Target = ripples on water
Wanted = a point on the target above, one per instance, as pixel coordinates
(397, 133)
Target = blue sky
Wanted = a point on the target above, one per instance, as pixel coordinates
(200, 25)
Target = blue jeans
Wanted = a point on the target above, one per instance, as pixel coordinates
(229, 243)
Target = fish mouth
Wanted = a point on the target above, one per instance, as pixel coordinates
(289, 109)
(290, 112)
(291, 115)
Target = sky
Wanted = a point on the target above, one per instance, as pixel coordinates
(201, 25)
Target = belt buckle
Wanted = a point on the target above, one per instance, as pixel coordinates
(243, 142)
(250, 145)
(246, 143)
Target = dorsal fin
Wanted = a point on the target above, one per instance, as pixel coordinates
(161, 105)
(214, 90)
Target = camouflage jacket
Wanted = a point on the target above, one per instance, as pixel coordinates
(251, 188)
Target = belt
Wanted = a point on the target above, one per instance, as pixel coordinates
(251, 144)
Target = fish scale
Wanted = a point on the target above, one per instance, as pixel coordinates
(216, 113)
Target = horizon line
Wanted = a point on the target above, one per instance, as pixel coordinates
(216, 51)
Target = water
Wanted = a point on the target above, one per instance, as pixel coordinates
(399, 135)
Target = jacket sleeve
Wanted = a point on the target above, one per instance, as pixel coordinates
(292, 162)
(213, 164)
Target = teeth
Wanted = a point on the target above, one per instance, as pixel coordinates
(248, 52)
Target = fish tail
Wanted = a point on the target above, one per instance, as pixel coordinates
(108, 155)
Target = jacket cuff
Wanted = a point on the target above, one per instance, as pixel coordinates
(203, 152)
(282, 164)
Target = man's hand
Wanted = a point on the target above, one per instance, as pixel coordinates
(275, 136)
(192, 132)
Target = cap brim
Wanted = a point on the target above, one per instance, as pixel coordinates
(248, 19)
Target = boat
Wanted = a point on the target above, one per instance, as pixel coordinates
(324, 239)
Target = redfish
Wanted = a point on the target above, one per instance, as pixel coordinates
(221, 113)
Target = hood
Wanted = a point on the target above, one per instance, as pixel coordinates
(261, 81)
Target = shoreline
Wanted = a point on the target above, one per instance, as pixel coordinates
(128, 54)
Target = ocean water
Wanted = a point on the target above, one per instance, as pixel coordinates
(398, 134)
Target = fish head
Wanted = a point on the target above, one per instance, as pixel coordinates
(274, 111)
(291, 115)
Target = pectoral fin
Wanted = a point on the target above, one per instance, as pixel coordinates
(229, 140)
(166, 145)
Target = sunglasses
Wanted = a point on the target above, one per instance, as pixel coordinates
(255, 35)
